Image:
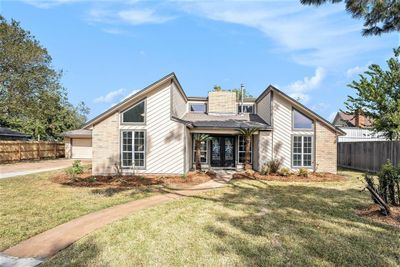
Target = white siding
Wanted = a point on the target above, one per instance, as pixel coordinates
(282, 130)
(359, 135)
(165, 137)
(263, 108)
(179, 105)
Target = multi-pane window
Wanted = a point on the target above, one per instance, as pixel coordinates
(135, 114)
(302, 151)
(242, 149)
(203, 151)
(133, 149)
(201, 108)
(246, 108)
(300, 121)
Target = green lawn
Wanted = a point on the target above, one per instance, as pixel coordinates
(251, 223)
(32, 204)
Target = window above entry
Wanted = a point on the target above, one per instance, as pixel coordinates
(301, 121)
(135, 114)
(246, 108)
(199, 107)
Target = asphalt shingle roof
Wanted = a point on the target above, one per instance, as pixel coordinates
(11, 133)
(203, 120)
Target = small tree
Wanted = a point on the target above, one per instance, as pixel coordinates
(247, 133)
(378, 97)
(198, 140)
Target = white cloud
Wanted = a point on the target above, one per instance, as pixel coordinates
(142, 16)
(357, 70)
(49, 3)
(111, 96)
(133, 16)
(130, 94)
(319, 106)
(113, 31)
(299, 89)
(323, 36)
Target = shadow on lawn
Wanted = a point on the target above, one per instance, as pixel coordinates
(301, 225)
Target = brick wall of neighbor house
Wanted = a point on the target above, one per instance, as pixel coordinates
(222, 102)
(67, 142)
(325, 149)
(105, 143)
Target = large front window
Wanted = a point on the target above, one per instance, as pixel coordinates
(302, 151)
(135, 114)
(133, 149)
(242, 149)
(203, 151)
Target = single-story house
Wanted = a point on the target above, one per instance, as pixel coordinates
(7, 134)
(152, 132)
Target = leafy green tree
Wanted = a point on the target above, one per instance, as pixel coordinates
(378, 97)
(32, 99)
(380, 16)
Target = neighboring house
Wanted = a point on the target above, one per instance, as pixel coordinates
(7, 134)
(357, 128)
(153, 130)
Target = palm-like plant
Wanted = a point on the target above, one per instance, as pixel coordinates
(198, 139)
(247, 133)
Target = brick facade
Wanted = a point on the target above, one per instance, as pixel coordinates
(67, 146)
(222, 102)
(106, 138)
(325, 149)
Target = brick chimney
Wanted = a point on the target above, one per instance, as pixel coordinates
(359, 119)
(222, 102)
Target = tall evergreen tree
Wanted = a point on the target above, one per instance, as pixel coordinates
(380, 16)
(32, 99)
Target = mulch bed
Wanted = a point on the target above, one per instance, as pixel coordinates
(130, 181)
(312, 177)
(373, 213)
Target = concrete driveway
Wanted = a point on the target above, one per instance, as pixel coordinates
(31, 167)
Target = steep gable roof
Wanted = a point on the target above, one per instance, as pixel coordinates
(297, 104)
(170, 77)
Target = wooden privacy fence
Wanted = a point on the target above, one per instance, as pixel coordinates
(368, 156)
(28, 150)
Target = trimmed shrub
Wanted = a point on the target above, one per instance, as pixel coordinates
(77, 168)
(284, 171)
(303, 172)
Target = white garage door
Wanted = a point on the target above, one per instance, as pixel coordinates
(81, 148)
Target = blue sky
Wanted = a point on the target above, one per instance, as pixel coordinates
(109, 49)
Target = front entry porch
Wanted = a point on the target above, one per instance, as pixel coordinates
(221, 151)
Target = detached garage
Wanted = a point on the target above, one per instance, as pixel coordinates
(78, 144)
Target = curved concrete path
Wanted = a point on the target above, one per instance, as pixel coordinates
(48, 243)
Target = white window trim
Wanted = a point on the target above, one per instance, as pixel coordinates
(302, 151)
(240, 107)
(135, 123)
(244, 151)
(301, 129)
(194, 152)
(193, 103)
(144, 152)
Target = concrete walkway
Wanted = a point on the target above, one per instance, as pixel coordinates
(48, 243)
(32, 167)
